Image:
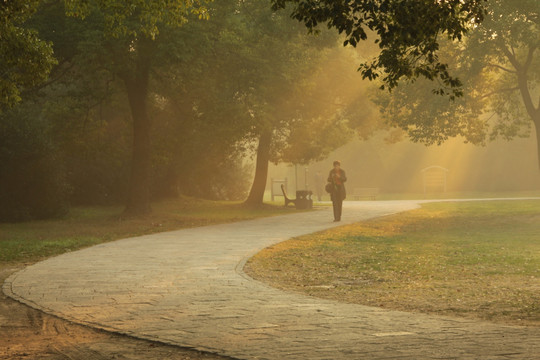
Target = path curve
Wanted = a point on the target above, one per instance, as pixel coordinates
(187, 288)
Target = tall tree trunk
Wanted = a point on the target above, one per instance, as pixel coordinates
(536, 121)
(138, 202)
(256, 195)
(523, 84)
(532, 110)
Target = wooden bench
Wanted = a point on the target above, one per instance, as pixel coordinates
(303, 198)
(369, 193)
(287, 200)
(273, 191)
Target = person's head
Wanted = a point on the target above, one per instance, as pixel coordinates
(337, 164)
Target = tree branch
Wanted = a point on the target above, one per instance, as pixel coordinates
(51, 80)
(502, 68)
(529, 59)
(510, 56)
(521, 72)
(498, 92)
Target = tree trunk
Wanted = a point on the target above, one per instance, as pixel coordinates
(536, 121)
(522, 79)
(256, 195)
(533, 111)
(138, 202)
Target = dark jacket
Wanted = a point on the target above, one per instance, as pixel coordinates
(338, 192)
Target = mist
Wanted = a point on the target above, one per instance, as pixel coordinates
(500, 166)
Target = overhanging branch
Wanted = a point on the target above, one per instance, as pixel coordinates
(510, 56)
(52, 80)
(498, 92)
(532, 49)
(502, 68)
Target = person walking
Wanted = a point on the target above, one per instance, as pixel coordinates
(337, 180)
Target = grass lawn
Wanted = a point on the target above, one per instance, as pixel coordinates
(23, 243)
(474, 259)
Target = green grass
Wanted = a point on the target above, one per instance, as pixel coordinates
(472, 259)
(31, 241)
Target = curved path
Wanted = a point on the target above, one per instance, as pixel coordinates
(187, 288)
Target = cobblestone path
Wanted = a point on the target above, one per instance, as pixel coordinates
(187, 288)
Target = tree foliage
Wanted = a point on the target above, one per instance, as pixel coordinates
(508, 47)
(247, 73)
(500, 64)
(25, 59)
(277, 61)
(138, 18)
(408, 33)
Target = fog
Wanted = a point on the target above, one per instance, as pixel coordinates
(501, 166)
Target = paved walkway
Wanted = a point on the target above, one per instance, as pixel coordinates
(187, 288)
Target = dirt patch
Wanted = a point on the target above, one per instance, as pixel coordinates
(26, 333)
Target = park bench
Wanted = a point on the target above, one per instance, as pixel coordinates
(287, 199)
(369, 193)
(303, 198)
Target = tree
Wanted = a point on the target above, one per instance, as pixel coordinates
(242, 86)
(331, 109)
(276, 58)
(25, 60)
(407, 32)
(48, 137)
(131, 34)
(500, 65)
(83, 104)
(200, 119)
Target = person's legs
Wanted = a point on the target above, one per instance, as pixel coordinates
(335, 206)
(337, 214)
